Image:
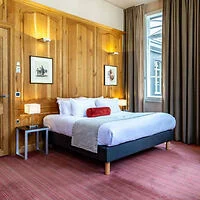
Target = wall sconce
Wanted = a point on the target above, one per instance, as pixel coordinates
(32, 108)
(122, 103)
(44, 40)
(113, 53)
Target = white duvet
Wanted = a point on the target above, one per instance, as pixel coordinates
(116, 132)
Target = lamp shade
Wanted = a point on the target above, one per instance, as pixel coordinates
(32, 108)
(122, 102)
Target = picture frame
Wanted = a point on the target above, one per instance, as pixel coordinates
(110, 75)
(41, 70)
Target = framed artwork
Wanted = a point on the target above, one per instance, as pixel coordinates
(41, 70)
(110, 75)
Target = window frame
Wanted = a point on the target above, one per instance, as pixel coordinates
(146, 97)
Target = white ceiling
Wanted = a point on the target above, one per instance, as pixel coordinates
(128, 3)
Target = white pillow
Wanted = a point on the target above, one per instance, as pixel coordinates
(79, 106)
(59, 106)
(64, 106)
(112, 103)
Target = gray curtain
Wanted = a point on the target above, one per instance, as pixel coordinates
(134, 59)
(181, 67)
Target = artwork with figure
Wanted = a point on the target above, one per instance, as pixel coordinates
(110, 75)
(41, 72)
(41, 69)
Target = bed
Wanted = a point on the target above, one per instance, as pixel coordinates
(119, 135)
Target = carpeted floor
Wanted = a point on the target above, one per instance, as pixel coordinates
(154, 174)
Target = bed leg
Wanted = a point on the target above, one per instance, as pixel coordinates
(107, 168)
(167, 145)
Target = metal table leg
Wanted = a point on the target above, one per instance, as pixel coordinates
(46, 145)
(26, 145)
(17, 141)
(26, 132)
(37, 141)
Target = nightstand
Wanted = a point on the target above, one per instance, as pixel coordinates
(26, 131)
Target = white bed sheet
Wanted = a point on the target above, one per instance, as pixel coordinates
(116, 132)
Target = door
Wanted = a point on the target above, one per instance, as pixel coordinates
(4, 98)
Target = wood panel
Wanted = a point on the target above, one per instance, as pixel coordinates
(35, 26)
(4, 92)
(32, 24)
(115, 41)
(108, 42)
(79, 49)
(3, 10)
(102, 59)
(86, 52)
(80, 53)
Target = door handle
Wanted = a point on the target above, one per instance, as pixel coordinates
(4, 96)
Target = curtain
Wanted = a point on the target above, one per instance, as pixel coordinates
(181, 67)
(134, 59)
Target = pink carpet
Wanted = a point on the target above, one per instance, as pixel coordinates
(154, 174)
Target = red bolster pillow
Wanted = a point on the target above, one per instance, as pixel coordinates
(96, 112)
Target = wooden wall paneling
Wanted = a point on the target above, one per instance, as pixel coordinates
(3, 10)
(65, 57)
(72, 56)
(29, 44)
(82, 69)
(101, 60)
(113, 60)
(90, 60)
(48, 107)
(85, 60)
(36, 26)
(65, 67)
(31, 24)
(116, 60)
(11, 12)
(59, 58)
(107, 41)
(95, 64)
(4, 90)
(14, 20)
(121, 87)
(55, 51)
(81, 51)
(56, 12)
(105, 48)
(7, 88)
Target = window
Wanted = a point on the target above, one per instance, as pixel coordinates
(153, 56)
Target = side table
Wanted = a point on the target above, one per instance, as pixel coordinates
(26, 130)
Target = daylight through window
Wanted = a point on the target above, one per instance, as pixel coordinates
(153, 56)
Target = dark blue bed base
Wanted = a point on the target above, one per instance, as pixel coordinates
(108, 154)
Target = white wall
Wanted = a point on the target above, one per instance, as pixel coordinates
(98, 11)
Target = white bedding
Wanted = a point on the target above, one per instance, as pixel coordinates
(116, 132)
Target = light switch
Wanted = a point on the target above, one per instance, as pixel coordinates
(17, 94)
(18, 68)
